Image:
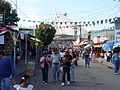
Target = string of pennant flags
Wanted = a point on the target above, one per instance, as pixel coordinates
(84, 24)
(93, 32)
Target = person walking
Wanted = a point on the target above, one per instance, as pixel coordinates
(24, 84)
(66, 68)
(87, 58)
(45, 63)
(115, 60)
(6, 71)
(56, 58)
(73, 67)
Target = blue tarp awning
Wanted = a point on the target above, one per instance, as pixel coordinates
(108, 46)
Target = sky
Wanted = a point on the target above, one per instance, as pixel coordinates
(77, 10)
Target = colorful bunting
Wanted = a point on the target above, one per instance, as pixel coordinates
(90, 23)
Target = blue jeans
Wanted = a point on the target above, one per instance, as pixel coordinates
(116, 66)
(56, 71)
(87, 61)
(6, 84)
(72, 72)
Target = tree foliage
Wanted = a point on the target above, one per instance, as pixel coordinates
(45, 34)
(10, 14)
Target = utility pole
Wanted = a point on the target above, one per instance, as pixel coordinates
(80, 33)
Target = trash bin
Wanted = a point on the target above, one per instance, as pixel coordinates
(30, 69)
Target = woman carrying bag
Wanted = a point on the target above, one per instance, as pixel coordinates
(45, 63)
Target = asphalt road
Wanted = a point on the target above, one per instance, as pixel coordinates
(97, 77)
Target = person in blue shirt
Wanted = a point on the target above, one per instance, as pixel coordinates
(87, 58)
(115, 60)
(6, 71)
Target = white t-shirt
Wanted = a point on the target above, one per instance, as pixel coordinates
(62, 54)
(30, 87)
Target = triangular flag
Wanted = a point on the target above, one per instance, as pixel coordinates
(86, 25)
(53, 27)
(52, 22)
(56, 22)
(41, 27)
(88, 22)
(60, 27)
(61, 23)
(79, 25)
(67, 26)
(75, 22)
(97, 22)
(110, 20)
(101, 21)
(65, 22)
(106, 20)
(71, 22)
(47, 27)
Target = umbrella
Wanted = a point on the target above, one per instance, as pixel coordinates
(108, 46)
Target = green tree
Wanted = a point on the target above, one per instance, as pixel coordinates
(10, 14)
(45, 33)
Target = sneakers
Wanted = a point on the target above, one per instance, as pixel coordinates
(46, 83)
(68, 83)
(116, 73)
(43, 81)
(63, 84)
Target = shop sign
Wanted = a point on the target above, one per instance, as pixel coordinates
(117, 37)
(36, 44)
(3, 29)
(1, 18)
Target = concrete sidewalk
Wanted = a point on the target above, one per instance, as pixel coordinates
(104, 62)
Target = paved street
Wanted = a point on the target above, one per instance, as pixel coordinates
(98, 77)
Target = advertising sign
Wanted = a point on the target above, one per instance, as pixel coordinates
(117, 37)
(2, 39)
(1, 18)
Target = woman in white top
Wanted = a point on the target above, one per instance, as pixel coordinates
(24, 84)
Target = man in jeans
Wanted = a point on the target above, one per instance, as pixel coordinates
(55, 65)
(66, 68)
(6, 72)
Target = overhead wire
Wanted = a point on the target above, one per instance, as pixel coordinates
(19, 9)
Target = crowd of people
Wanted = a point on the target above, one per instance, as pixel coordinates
(62, 61)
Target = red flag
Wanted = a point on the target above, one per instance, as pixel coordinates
(79, 25)
(53, 27)
(60, 27)
(67, 26)
(41, 27)
(86, 25)
(47, 27)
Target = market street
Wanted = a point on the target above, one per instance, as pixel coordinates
(97, 77)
